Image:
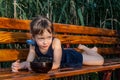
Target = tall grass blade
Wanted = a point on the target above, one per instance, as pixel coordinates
(81, 17)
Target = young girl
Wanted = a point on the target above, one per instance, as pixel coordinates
(43, 44)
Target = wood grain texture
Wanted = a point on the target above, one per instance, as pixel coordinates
(13, 37)
(10, 23)
(12, 54)
(21, 37)
(74, 39)
(77, 29)
(105, 51)
(23, 75)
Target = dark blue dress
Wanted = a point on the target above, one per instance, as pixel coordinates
(70, 57)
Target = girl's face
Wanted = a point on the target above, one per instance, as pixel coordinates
(44, 40)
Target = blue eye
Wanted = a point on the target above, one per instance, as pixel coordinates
(32, 42)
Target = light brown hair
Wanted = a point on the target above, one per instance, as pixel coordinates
(39, 24)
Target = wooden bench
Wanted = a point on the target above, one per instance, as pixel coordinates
(14, 33)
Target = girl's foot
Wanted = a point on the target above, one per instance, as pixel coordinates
(83, 47)
(94, 49)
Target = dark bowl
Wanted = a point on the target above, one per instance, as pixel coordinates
(41, 67)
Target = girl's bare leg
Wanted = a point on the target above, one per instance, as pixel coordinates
(90, 56)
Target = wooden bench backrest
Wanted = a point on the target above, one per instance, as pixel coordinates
(16, 32)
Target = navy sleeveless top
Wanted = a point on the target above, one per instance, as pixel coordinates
(70, 57)
(48, 54)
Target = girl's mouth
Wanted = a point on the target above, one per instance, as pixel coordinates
(45, 46)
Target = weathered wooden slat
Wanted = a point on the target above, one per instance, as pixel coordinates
(14, 54)
(105, 51)
(12, 37)
(76, 29)
(111, 61)
(72, 39)
(10, 23)
(56, 73)
(7, 55)
(108, 51)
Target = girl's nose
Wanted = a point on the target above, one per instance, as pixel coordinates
(45, 41)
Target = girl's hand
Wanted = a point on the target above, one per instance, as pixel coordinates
(15, 66)
(23, 65)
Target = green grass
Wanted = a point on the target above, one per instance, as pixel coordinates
(97, 13)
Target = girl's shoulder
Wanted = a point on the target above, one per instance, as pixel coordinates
(56, 42)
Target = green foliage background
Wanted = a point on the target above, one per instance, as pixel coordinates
(98, 13)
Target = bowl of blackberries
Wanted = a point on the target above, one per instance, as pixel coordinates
(41, 65)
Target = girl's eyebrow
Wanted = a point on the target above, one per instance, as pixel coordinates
(44, 36)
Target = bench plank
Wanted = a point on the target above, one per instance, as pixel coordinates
(74, 39)
(66, 28)
(9, 23)
(23, 75)
(21, 37)
(12, 54)
(12, 37)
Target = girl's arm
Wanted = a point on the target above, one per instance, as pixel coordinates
(57, 53)
(31, 54)
(26, 64)
(30, 58)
